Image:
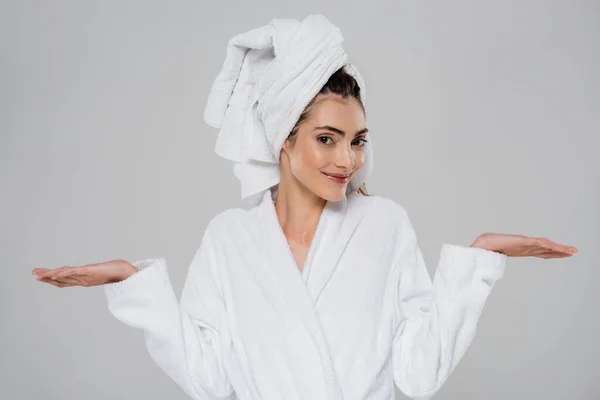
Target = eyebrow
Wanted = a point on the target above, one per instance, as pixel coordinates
(339, 131)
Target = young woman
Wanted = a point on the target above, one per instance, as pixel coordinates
(320, 290)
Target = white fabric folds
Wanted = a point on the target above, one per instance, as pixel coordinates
(361, 318)
(269, 76)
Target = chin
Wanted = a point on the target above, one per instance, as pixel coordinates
(332, 194)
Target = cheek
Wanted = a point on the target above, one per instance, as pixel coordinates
(313, 156)
(360, 160)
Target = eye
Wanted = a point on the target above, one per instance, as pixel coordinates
(323, 137)
(363, 141)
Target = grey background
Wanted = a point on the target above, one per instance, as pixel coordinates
(484, 117)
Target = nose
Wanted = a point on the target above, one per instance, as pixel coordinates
(344, 157)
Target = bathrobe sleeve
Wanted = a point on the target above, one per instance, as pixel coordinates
(183, 338)
(437, 320)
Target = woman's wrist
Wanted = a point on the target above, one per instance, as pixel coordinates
(484, 244)
(127, 270)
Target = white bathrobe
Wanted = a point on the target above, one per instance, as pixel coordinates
(361, 316)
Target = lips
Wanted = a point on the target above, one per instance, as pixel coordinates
(337, 178)
(336, 175)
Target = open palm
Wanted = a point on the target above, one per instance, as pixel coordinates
(523, 246)
(86, 275)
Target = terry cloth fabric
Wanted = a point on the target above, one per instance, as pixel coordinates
(269, 76)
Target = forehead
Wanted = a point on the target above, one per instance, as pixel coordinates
(339, 112)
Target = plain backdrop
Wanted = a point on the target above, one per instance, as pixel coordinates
(484, 116)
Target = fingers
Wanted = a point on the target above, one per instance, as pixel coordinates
(67, 271)
(61, 277)
(56, 283)
(42, 272)
(554, 254)
(38, 270)
(573, 249)
(51, 273)
(561, 248)
(71, 281)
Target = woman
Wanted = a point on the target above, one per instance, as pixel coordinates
(319, 291)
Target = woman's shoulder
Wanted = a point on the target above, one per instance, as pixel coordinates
(382, 206)
(229, 218)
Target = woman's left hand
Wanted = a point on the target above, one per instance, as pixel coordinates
(523, 246)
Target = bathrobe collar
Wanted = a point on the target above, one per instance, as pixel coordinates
(300, 291)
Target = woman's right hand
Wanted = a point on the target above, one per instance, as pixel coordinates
(86, 275)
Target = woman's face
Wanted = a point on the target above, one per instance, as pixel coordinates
(330, 142)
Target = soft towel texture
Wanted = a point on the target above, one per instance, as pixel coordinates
(269, 76)
(362, 314)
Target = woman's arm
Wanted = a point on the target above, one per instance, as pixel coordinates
(182, 338)
(437, 320)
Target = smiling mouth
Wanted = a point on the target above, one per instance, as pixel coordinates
(337, 178)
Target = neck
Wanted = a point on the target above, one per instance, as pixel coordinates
(298, 210)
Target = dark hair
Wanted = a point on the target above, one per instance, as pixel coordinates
(342, 84)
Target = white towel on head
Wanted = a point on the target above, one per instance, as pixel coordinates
(269, 76)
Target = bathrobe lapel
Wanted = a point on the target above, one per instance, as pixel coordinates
(339, 222)
(298, 290)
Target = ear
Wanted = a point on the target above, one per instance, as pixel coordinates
(286, 145)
